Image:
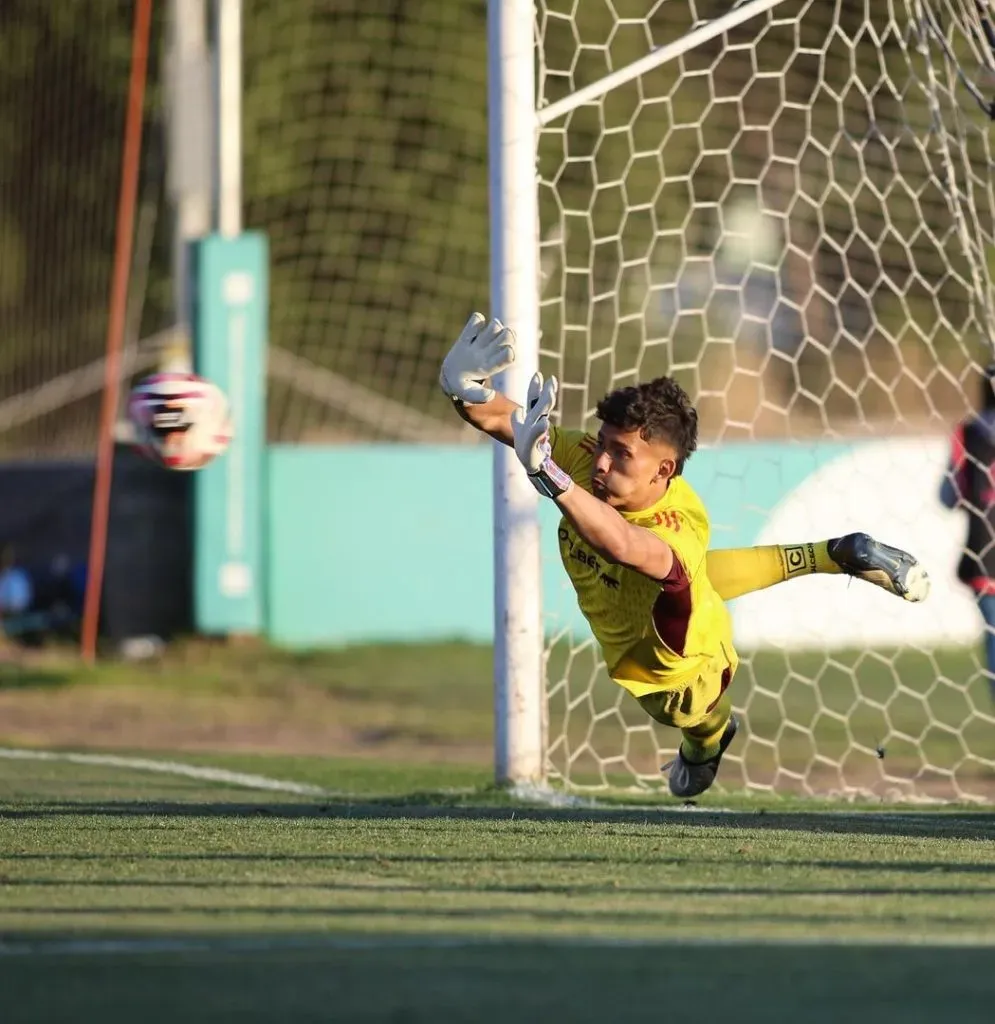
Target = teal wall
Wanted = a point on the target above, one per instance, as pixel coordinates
(394, 542)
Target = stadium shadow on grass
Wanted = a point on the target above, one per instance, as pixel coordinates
(422, 807)
(416, 978)
(394, 919)
(533, 888)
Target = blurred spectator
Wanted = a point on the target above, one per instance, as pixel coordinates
(39, 600)
(16, 590)
(969, 484)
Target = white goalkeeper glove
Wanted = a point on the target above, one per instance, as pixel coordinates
(530, 427)
(481, 350)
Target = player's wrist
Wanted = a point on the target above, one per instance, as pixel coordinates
(481, 396)
(466, 391)
(550, 480)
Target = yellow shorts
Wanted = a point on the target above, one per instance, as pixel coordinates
(685, 703)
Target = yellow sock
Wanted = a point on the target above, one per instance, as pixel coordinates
(736, 571)
(701, 741)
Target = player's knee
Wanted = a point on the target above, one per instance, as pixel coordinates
(675, 708)
(657, 706)
(693, 707)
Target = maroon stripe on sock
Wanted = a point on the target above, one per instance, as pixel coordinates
(672, 608)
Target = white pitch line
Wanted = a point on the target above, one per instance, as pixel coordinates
(190, 771)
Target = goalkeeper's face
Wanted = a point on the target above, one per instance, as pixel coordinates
(629, 472)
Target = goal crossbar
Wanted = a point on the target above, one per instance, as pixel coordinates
(661, 55)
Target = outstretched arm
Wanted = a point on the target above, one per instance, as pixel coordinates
(482, 350)
(613, 538)
(493, 417)
(598, 524)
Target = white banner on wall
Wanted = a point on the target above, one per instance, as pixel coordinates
(889, 489)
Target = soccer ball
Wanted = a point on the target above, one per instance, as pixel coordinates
(181, 420)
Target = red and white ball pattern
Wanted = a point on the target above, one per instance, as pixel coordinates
(181, 420)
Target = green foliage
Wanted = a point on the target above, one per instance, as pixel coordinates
(365, 162)
(63, 79)
(64, 73)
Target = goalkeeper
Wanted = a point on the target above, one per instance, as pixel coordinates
(634, 542)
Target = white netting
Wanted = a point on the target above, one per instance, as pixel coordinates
(794, 219)
(366, 166)
(64, 74)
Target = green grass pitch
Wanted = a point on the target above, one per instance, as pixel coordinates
(402, 887)
(418, 893)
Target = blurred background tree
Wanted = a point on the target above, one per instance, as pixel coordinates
(763, 218)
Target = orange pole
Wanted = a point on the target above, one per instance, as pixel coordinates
(127, 201)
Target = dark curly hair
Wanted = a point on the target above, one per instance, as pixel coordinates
(660, 410)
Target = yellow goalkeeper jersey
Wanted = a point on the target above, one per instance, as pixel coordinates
(653, 636)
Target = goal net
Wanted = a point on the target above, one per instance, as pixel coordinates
(63, 99)
(793, 217)
(365, 163)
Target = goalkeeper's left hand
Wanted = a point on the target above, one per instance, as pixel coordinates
(530, 427)
(482, 350)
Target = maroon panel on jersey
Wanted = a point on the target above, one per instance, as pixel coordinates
(672, 609)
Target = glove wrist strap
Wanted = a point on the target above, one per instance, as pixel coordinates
(551, 481)
(458, 399)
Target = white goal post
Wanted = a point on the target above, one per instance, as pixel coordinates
(514, 123)
(787, 205)
(519, 697)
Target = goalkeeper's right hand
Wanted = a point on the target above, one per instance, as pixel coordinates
(481, 350)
